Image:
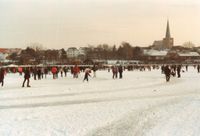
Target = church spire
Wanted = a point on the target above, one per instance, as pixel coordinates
(168, 31)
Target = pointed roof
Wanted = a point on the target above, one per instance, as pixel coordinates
(168, 31)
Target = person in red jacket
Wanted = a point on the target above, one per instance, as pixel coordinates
(20, 70)
(54, 72)
(76, 70)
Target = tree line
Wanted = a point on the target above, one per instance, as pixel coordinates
(36, 54)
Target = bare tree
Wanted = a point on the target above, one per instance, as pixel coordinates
(188, 44)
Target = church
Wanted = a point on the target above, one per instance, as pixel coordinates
(164, 51)
(166, 43)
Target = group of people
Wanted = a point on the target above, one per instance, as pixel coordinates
(39, 73)
(171, 70)
(116, 70)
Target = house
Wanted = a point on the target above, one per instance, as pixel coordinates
(5, 52)
(189, 56)
(10, 50)
(72, 52)
(82, 51)
(3, 56)
(155, 55)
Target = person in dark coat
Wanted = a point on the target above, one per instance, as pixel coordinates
(167, 73)
(2, 72)
(179, 71)
(39, 73)
(65, 69)
(186, 67)
(26, 77)
(35, 73)
(114, 71)
(120, 70)
(87, 74)
(198, 68)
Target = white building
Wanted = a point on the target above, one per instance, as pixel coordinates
(155, 54)
(189, 54)
(3, 56)
(72, 52)
(82, 50)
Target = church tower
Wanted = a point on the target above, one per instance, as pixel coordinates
(168, 42)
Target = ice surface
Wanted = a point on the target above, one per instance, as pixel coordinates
(142, 103)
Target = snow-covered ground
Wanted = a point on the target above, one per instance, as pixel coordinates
(140, 104)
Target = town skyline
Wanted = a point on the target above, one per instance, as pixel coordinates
(80, 23)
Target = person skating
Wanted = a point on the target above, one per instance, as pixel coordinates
(57, 72)
(42, 72)
(54, 71)
(26, 77)
(173, 70)
(46, 72)
(65, 69)
(114, 71)
(2, 73)
(167, 73)
(76, 71)
(179, 71)
(162, 69)
(39, 73)
(186, 67)
(120, 70)
(20, 70)
(87, 74)
(35, 73)
(94, 69)
(198, 68)
(61, 72)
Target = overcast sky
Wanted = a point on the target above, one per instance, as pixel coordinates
(65, 23)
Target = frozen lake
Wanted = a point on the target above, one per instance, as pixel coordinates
(142, 103)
